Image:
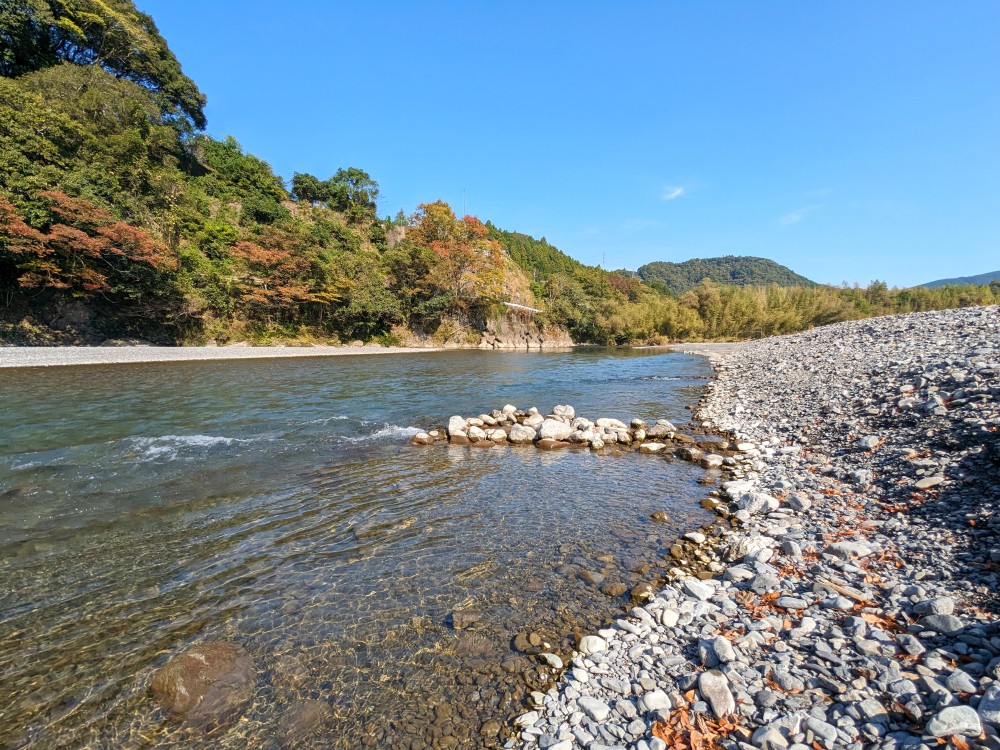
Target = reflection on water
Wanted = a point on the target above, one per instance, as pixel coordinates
(147, 508)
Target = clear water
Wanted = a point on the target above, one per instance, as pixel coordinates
(146, 508)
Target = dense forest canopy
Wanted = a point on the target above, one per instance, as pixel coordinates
(109, 34)
(119, 218)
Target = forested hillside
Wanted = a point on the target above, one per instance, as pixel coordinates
(736, 270)
(120, 218)
(978, 280)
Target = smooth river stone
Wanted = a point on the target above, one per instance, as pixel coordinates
(552, 429)
(207, 685)
(521, 434)
(592, 644)
(714, 687)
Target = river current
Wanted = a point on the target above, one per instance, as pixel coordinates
(276, 503)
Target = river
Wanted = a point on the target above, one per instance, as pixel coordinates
(276, 503)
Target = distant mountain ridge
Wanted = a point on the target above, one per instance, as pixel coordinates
(983, 278)
(732, 270)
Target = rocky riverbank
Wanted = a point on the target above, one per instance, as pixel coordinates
(847, 596)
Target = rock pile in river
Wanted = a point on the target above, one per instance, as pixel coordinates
(562, 428)
(847, 598)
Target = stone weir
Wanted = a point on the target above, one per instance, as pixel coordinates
(562, 428)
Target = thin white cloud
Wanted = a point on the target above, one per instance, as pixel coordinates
(796, 216)
(672, 192)
(591, 230)
(641, 225)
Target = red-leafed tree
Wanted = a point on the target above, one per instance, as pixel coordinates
(83, 251)
(281, 279)
(627, 286)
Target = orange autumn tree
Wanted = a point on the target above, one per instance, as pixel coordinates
(83, 250)
(282, 279)
(469, 264)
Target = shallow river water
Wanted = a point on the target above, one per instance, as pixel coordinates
(146, 508)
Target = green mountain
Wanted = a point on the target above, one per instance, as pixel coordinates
(983, 278)
(730, 270)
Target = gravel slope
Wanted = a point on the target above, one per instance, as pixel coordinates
(850, 598)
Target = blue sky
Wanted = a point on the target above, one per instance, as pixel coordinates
(849, 140)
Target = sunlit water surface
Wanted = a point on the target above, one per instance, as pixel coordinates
(146, 508)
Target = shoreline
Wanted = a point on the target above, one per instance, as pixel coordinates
(849, 598)
(66, 356)
(12, 357)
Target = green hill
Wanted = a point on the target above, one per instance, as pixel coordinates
(730, 270)
(981, 279)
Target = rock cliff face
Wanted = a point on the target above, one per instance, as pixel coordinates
(520, 334)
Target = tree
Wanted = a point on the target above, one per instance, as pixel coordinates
(84, 251)
(469, 264)
(244, 178)
(23, 27)
(353, 192)
(111, 34)
(307, 187)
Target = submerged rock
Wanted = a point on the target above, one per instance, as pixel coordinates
(302, 719)
(547, 444)
(207, 685)
(465, 618)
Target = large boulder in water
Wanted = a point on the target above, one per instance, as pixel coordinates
(521, 434)
(457, 426)
(554, 430)
(662, 429)
(207, 685)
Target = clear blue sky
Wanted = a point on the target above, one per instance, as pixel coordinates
(850, 140)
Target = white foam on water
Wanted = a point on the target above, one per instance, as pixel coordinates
(388, 432)
(170, 446)
(327, 420)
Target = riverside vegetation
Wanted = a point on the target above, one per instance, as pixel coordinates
(121, 219)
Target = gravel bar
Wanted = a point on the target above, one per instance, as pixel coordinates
(52, 356)
(847, 595)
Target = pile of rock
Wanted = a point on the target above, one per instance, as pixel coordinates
(562, 428)
(847, 597)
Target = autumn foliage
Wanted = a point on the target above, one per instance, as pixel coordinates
(469, 263)
(279, 274)
(83, 250)
(685, 730)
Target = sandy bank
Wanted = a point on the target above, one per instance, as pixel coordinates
(46, 356)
